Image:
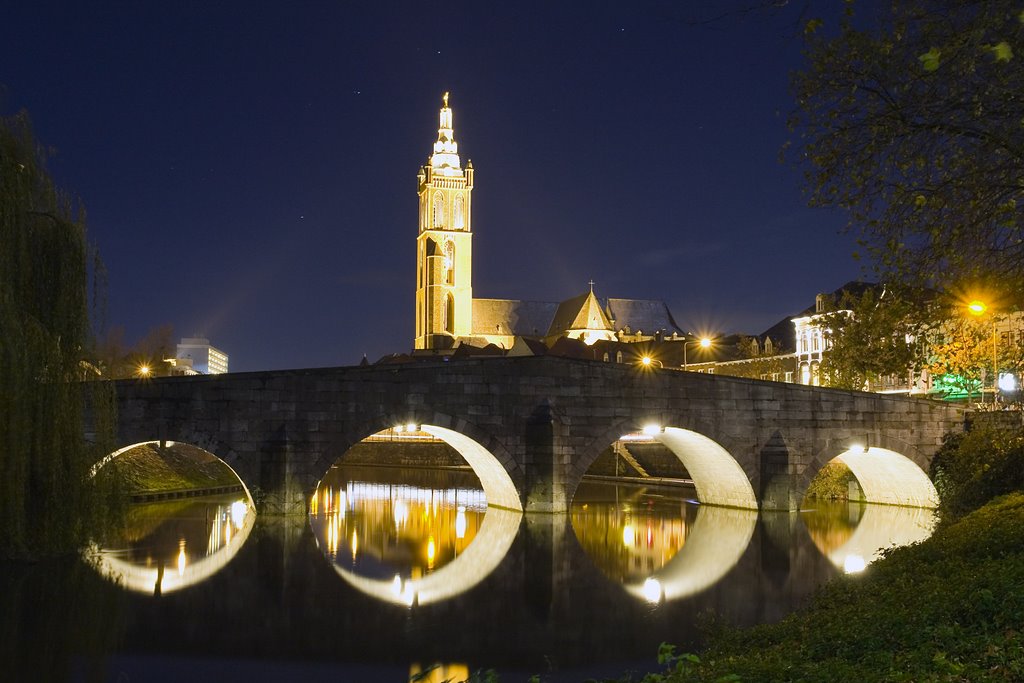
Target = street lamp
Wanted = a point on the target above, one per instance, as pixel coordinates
(144, 371)
(703, 342)
(647, 362)
(978, 308)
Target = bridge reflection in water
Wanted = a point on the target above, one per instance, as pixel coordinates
(409, 544)
(659, 545)
(475, 583)
(852, 535)
(170, 545)
(418, 537)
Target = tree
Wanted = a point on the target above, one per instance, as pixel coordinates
(960, 353)
(116, 360)
(916, 129)
(45, 500)
(870, 336)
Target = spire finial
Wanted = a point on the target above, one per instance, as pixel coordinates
(591, 283)
(445, 159)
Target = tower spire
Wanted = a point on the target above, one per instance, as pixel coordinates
(445, 159)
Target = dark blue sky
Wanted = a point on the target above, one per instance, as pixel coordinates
(250, 168)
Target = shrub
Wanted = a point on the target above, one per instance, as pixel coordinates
(831, 483)
(975, 466)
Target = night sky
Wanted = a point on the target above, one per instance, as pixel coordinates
(249, 169)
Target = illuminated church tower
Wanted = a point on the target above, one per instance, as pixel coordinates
(444, 247)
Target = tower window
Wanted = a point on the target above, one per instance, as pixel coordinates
(449, 262)
(438, 210)
(458, 213)
(449, 314)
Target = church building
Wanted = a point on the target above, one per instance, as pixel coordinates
(447, 315)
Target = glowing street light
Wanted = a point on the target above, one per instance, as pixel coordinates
(647, 362)
(143, 371)
(978, 308)
(703, 342)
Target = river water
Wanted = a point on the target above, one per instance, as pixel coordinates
(397, 570)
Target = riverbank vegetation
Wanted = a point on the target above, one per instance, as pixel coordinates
(831, 483)
(151, 468)
(46, 502)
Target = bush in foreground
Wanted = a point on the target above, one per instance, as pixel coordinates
(975, 466)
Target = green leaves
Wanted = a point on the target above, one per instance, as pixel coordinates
(1002, 51)
(928, 104)
(930, 60)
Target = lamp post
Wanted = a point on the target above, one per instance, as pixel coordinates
(647, 361)
(978, 308)
(704, 343)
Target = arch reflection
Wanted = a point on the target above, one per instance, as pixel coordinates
(424, 540)
(660, 546)
(714, 546)
(168, 546)
(852, 535)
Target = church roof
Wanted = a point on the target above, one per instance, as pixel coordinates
(545, 318)
(512, 317)
(647, 315)
(581, 312)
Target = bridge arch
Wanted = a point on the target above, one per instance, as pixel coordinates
(889, 471)
(717, 475)
(103, 462)
(492, 464)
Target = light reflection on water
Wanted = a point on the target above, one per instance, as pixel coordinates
(169, 545)
(629, 532)
(659, 544)
(663, 546)
(852, 535)
(409, 544)
(378, 528)
(628, 568)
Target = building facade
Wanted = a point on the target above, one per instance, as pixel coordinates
(197, 355)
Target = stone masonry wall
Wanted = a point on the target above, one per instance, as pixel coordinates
(545, 420)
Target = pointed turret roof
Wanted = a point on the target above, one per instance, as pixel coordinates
(445, 159)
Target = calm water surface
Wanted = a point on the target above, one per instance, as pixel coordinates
(396, 570)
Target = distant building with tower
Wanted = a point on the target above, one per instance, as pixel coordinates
(196, 354)
(447, 315)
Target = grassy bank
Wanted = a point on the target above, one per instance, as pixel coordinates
(149, 468)
(948, 609)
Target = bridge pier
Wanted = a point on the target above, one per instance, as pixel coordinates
(544, 472)
(281, 491)
(780, 483)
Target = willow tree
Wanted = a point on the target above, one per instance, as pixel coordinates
(45, 499)
(913, 122)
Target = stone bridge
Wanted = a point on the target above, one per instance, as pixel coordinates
(531, 427)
